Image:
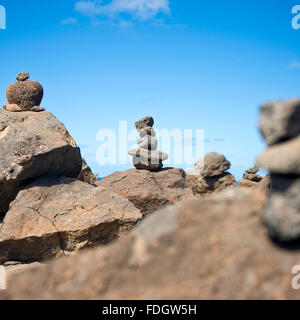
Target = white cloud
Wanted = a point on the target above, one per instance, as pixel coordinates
(69, 21)
(136, 9)
(295, 65)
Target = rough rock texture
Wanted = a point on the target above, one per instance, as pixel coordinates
(147, 190)
(279, 120)
(213, 164)
(282, 213)
(213, 248)
(12, 107)
(247, 183)
(282, 158)
(203, 185)
(33, 145)
(86, 174)
(144, 122)
(252, 177)
(54, 216)
(26, 94)
(253, 170)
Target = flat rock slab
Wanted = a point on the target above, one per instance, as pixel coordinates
(55, 216)
(33, 145)
(147, 190)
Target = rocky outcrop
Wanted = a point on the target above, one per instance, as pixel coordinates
(282, 212)
(86, 174)
(209, 175)
(146, 157)
(56, 216)
(33, 145)
(213, 248)
(149, 191)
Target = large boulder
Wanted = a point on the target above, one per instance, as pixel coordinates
(147, 190)
(33, 145)
(213, 248)
(279, 120)
(55, 216)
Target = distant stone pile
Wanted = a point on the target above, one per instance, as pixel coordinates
(210, 174)
(24, 95)
(146, 156)
(250, 178)
(280, 126)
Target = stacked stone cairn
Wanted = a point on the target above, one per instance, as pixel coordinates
(250, 178)
(24, 95)
(210, 174)
(280, 127)
(147, 157)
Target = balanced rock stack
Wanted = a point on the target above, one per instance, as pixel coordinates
(45, 210)
(147, 157)
(250, 178)
(24, 95)
(209, 174)
(280, 127)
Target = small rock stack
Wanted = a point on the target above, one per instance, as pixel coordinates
(280, 127)
(210, 175)
(250, 178)
(146, 157)
(24, 95)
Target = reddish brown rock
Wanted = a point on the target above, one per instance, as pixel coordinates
(33, 145)
(56, 216)
(149, 191)
(213, 248)
(86, 174)
(25, 94)
(203, 185)
(247, 183)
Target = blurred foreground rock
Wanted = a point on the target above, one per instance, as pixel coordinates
(212, 248)
(282, 212)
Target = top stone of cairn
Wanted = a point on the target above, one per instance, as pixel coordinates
(144, 122)
(23, 76)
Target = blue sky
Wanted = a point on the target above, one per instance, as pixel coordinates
(190, 64)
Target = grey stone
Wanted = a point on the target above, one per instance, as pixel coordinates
(23, 76)
(148, 142)
(282, 158)
(279, 120)
(213, 164)
(281, 215)
(144, 122)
